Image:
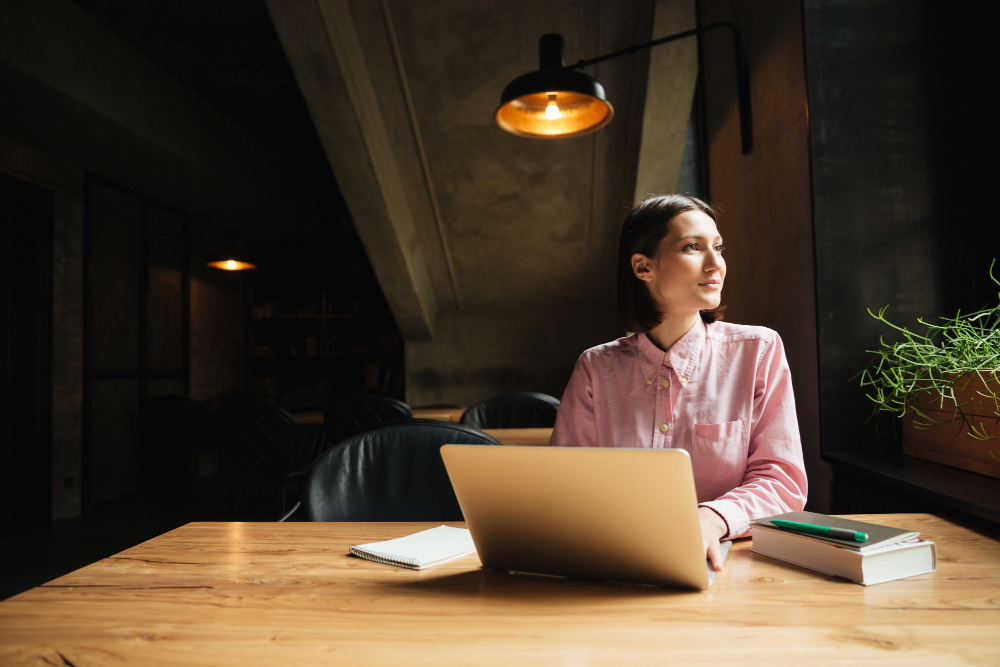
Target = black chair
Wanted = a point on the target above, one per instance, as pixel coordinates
(259, 441)
(173, 431)
(522, 409)
(350, 415)
(391, 472)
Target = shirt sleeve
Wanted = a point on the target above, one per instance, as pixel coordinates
(576, 424)
(775, 480)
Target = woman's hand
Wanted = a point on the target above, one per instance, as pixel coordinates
(713, 528)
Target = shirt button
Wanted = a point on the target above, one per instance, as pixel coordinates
(648, 381)
(684, 380)
(664, 427)
(666, 383)
(666, 358)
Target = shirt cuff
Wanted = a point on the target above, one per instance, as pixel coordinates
(735, 517)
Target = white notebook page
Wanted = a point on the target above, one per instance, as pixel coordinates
(420, 550)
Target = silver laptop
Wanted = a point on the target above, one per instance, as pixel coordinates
(623, 515)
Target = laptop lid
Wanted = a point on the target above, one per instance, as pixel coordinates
(627, 515)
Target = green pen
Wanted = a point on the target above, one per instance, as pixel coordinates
(841, 533)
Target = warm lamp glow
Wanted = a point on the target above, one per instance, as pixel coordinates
(232, 265)
(552, 110)
(555, 115)
(553, 102)
(231, 257)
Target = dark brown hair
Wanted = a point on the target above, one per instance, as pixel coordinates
(644, 227)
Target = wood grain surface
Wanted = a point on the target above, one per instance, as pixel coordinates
(289, 594)
(441, 414)
(308, 418)
(520, 437)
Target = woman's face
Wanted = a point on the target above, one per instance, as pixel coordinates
(688, 271)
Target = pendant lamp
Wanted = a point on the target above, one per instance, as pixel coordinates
(558, 102)
(231, 257)
(553, 102)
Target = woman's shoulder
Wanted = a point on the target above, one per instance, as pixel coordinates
(728, 332)
(624, 346)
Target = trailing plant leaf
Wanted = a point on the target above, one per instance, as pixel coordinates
(947, 355)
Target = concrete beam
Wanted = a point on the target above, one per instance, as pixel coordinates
(345, 59)
(673, 73)
(76, 91)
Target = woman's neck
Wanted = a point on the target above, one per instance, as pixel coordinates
(672, 329)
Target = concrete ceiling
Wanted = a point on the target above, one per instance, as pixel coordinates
(454, 212)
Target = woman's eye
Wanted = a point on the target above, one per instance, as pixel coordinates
(691, 246)
(720, 248)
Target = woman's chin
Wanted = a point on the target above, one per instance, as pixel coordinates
(711, 303)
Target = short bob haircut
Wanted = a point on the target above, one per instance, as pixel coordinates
(644, 227)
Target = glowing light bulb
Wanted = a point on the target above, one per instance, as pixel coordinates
(552, 111)
(230, 264)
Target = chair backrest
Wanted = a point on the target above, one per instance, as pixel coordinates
(258, 438)
(173, 430)
(522, 409)
(392, 472)
(350, 415)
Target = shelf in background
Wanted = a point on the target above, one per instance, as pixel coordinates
(965, 491)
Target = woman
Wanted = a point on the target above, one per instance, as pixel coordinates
(684, 379)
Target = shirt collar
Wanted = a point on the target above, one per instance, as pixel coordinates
(682, 355)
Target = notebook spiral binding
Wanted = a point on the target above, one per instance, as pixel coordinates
(385, 559)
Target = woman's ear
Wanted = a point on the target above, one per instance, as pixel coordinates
(642, 267)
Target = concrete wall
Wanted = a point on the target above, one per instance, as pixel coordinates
(480, 353)
(765, 196)
(467, 226)
(673, 73)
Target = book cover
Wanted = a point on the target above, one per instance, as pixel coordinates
(878, 535)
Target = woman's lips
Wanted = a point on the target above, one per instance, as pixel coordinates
(711, 285)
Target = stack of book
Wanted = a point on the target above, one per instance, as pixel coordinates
(887, 553)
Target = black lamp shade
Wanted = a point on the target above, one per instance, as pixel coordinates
(554, 102)
(580, 106)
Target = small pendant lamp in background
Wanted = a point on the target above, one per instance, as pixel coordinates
(232, 257)
(554, 102)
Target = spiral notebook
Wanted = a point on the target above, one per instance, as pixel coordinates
(420, 550)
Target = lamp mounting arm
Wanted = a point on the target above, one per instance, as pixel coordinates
(742, 71)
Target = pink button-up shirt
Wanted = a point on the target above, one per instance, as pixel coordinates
(723, 392)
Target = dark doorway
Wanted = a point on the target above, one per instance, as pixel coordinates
(27, 213)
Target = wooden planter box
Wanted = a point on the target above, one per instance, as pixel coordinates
(950, 443)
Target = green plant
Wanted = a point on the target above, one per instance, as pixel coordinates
(948, 355)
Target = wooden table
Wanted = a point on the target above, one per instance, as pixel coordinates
(521, 436)
(308, 418)
(508, 436)
(454, 415)
(288, 594)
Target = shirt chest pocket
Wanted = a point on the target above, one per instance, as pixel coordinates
(720, 453)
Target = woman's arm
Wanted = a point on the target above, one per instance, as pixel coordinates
(775, 480)
(576, 424)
